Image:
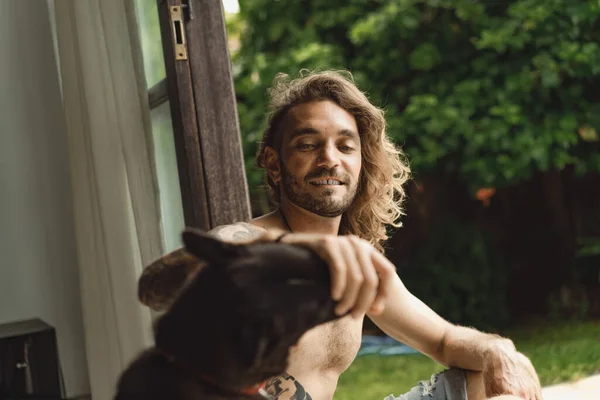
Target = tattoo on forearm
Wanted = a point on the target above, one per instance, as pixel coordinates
(286, 387)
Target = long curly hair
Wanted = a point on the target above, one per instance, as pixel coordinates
(384, 170)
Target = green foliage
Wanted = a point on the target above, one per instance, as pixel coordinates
(491, 91)
(587, 260)
(460, 276)
(590, 247)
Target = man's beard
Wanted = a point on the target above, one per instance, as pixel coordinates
(324, 205)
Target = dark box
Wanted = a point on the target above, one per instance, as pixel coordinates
(29, 363)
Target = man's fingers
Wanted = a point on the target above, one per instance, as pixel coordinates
(370, 282)
(523, 393)
(537, 395)
(354, 278)
(378, 306)
(360, 276)
(337, 269)
(534, 388)
(384, 267)
(385, 270)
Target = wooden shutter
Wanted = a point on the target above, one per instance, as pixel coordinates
(203, 110)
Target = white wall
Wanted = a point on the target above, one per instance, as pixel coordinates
(38, 267)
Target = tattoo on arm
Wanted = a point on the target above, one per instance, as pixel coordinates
(240, 232)
(286, 387)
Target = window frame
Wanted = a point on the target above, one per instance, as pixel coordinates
(200, 91)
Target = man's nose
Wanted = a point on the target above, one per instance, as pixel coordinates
(328, 157)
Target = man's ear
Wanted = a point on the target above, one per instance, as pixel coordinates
(208, 248)
(272, 164)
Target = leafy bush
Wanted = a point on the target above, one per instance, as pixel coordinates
(488, 92)
(491, 90)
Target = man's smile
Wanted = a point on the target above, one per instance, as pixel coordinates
(326, 182)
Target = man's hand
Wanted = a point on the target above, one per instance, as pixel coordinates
(360, 275)
(507, 371)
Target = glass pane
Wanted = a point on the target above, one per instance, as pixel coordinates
(152, 51)
(147, 15)
(168, 177)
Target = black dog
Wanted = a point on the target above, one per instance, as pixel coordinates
(231, 328)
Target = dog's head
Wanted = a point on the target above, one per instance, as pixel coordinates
(238, 317)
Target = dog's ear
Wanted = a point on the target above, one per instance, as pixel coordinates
(208, 248)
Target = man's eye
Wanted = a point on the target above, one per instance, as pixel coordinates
(305, 146)
(346, 148)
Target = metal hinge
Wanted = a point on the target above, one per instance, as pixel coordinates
(178, 32)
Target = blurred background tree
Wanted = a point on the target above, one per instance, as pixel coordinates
(497, 105)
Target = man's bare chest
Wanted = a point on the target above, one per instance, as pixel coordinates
(331, 346)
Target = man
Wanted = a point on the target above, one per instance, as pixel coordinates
(338, 181)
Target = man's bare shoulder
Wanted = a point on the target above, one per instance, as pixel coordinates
(237, 232)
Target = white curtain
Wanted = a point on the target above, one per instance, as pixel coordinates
(117, 215)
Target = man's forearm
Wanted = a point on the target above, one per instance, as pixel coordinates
(468, 348)
(505, 371)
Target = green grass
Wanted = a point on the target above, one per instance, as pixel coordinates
(560, 353)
